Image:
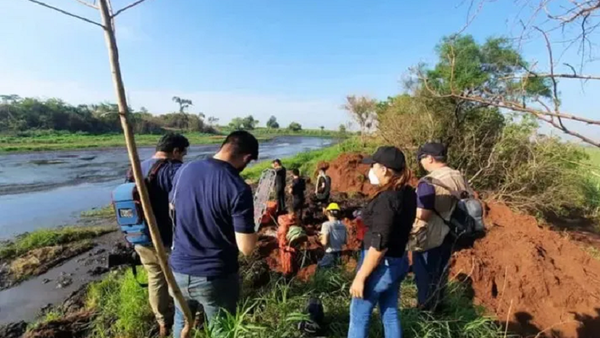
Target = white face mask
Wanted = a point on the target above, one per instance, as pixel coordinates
(373, 178)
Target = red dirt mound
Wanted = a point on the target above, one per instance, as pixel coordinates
(532, 277)
(349, 175)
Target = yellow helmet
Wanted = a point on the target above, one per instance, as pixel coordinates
(333, 206)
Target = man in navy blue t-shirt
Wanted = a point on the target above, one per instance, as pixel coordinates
(170, 150)
(214, 221)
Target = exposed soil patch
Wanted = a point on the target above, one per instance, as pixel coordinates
(38, 261)
(72, 325)
(349, 175)
(532, 276)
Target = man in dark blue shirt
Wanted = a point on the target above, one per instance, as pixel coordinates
(214, 221)
(170, 150)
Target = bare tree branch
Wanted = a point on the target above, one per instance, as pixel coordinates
(542, 115)
(67, 13)
(85, 3)
(127, 7)
(566, 76)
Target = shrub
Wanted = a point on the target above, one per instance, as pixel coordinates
(503, 157)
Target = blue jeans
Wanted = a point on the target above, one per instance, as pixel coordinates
(382, 287)
(329, 260)
(431, 274)
(214, 294)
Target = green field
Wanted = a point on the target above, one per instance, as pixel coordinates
(41, 141)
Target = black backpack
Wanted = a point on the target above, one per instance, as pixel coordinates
(466, 220)
(316, 315)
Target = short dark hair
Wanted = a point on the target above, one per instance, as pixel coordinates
(278, 161)
(335, 213)
(242, 143)
(170, 141)
(295, 172)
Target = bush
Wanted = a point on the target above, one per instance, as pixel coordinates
(504, 158)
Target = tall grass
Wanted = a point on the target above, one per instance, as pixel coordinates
(275, 310)
(121, 305)
(49, 237)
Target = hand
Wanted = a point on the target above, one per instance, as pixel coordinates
(358, 287)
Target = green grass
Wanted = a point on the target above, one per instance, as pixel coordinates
(50, 237)
(54, 140)
(104, 212)
(274, 311)
(121, 306)
(308, 160)
(63, 141)
(49, 316)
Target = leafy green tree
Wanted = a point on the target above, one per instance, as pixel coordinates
(245, 123)
(295, 126)
(272, 123)
(237, 123)
(342, 129)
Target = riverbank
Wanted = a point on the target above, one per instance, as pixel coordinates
(50, 140)
(33, 253)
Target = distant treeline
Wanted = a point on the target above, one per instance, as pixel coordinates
(19, 114)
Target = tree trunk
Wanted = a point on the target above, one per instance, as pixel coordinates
(113, 54)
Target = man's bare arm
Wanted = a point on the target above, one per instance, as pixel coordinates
(246, 242)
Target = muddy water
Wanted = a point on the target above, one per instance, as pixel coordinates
(24, 301)
(39, 190)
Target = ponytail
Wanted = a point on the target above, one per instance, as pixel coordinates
(398, 181)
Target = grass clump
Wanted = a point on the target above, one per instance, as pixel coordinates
(104, 212)
(50, 237)
(121, 306)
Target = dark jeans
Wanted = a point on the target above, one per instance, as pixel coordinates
(381, 288)
(431, 274)
(329, 260)
(298, 207)
(281, 201)
(214, 294)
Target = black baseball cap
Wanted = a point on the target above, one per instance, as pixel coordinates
(388, 156)
(433, 149)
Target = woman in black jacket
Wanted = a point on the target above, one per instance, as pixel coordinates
(388, 218)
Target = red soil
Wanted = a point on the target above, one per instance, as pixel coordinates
(349, 175)
(532, 277)
(534, 280)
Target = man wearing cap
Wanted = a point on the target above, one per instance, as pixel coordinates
(430, 241)
(333, 236)
(214, 222)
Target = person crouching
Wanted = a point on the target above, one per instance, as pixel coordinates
(333, 237)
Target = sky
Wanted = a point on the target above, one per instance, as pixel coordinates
(296, 60)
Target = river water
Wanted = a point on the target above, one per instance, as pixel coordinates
(47, 189)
